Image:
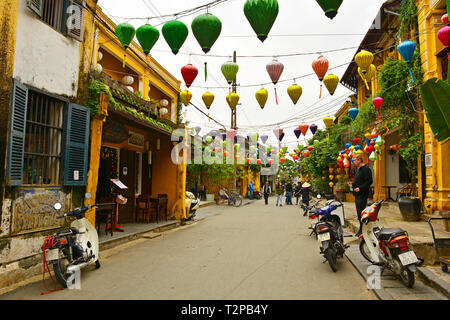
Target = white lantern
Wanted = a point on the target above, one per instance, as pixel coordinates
(164, 103)
(128, 80)
(99, 67)
(99, 56)
(163, 111)
(130, 88)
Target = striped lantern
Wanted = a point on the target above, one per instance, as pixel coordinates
(320, 67)
(275, 69)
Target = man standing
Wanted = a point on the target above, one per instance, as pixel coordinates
(267, 191)
(361, 186)
(289, 191)
(250, 190)
(280, 191)
(297, 190)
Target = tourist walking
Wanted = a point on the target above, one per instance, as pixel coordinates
(297, 191)
(267, 191)
(289, 192)
(280, 192)
(306, 189)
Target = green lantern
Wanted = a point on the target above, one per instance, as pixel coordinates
(175, 32)
(206, 29)
(261, 14)
(229, 70)
(125, 33)
(147, 37)
(330, 7)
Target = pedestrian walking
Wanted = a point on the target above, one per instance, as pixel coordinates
(267, 191)
(361, 186)
(280, 192)
(297, 191)
(289, 192)
(306, 189)
(250, 190)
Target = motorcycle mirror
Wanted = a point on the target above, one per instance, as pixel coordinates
(88, 195)
(57, 206)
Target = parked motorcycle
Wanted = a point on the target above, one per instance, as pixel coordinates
(74, 248)
(330, 233)
(192, 204)
(387, 247)
(257, 195)
(234, 199)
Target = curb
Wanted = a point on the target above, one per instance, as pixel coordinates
(431, 280)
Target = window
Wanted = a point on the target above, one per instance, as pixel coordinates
(48, 139)
(65, 16)
(43, 140)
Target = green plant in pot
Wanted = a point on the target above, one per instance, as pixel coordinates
(342, 187)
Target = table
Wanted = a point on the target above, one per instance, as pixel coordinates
(389, 191)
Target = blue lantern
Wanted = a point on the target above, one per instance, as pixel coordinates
(357, 147)
(353, 112)
(348, 145)
(406, 50)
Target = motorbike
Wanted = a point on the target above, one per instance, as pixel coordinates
(192, 204)
(234, 198)
(72, 249)
(330, 234)
(257, 195)
(311, 212)
(387, 247)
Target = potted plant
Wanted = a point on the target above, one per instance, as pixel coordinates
(342, 187)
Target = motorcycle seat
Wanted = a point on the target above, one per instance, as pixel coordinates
(386, 233)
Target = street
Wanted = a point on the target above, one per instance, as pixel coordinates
(252, 252)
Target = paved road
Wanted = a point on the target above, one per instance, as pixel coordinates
(251, 252)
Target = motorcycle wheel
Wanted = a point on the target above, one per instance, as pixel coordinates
(238, 202)
(330, 255)
(365, 251)
(97, 264)
(60, 267)
(407, 277)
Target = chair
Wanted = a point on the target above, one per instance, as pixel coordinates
(153, 209)
(142, 208)
(163, 208)
(408, 190)
(105, 213)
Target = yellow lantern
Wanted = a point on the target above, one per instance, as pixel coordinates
(364, 59)
(232, 100)
(331, 177)
(331, 184)
(328, 121)
(368, 135)
(371, 72)
(331, 81)
(331, 170)
(208, 99)
(184, 97)
(261, 97)
(294, 91)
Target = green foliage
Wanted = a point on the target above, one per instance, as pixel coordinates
(366, 116)
(408, 18)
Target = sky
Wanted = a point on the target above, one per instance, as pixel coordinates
(301, 27)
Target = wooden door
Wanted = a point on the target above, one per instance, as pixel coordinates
(127, 174)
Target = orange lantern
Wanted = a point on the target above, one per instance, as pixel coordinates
(320, 67)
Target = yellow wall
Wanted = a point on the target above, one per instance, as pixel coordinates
(437, 179)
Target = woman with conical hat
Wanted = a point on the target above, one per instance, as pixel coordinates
(306, 189)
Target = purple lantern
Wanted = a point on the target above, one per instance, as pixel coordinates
(264, 138)
(224, 136)
(281, 136)
(297, 132)
(313, 128)
(198, 129)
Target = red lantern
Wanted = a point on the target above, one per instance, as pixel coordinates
(225, 154)
(356, 141)
(294, 157)
(270, 161)
(303, 128)
(189, 73)
(444, 19)
(258, 161)
(306, 154)
(378, 102)
(282, 160)
(320, 67)
(310, 148)
(248, 160)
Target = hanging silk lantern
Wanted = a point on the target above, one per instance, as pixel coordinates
(328, 121)
(370, 73)
(331, 82)
(303, 128)
(310, 148)
(330, 7)
(231, 133)
(320, 67)
(229, 71)
(208, 99)
(127, 80)
(125, 33)
(261, 97)
(294, 91)
(364, 59)
(261, 14)
(185, 97)
(282, 160)
(264, 138)
(189, 73)
(353, 112)
(281, 136)
(373, 156)
(444, 18)
(378, 102)
(313, 128)
(331, 177)
(294, 157)
(297, 132)
(275, 69)
(232, 100)
(147, 36)
(277, 132)
(175, 33)
(331, 184)
(206, 29)
(444, 36)
(356, 141)
(258, 161)
(406, 50)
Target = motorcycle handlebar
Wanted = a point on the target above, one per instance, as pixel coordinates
(76, 211)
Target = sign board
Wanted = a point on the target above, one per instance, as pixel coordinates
(119, 184)
(136, 139)
(76, 175)
(428, 160)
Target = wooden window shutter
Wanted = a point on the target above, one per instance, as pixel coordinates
(76, 150)
(73, 18)
(16, 139)
(36, 6)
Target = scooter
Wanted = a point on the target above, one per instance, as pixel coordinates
(192, 204)
(330, 233)
(387, 248)
(72, 249)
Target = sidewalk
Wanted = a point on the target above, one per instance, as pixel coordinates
(421, 241)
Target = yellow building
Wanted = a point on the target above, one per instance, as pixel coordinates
(434, 65)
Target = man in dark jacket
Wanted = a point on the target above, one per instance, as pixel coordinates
(266, 191)
(361, 187)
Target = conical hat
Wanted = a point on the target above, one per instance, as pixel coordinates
(306, 185)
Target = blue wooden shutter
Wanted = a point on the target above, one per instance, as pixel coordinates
(16, 141)
(76, 145)
(36, 6)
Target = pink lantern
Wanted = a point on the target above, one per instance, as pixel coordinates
(231, 133)
(444, 35)
(444, 19)
(378, 102)
(275, 69)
